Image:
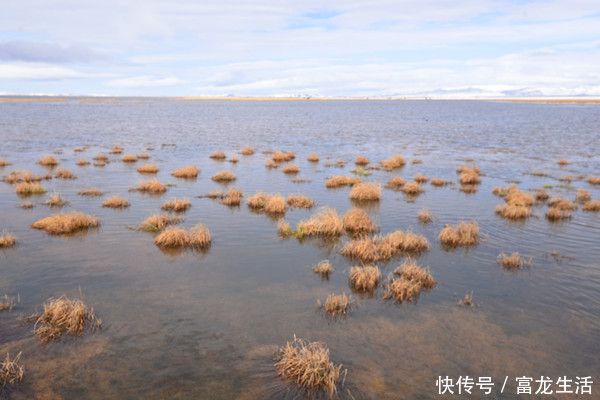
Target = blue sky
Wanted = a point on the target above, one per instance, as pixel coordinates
(378, 48)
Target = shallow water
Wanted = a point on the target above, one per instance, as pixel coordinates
(208, 325)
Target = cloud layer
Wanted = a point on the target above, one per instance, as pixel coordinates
(381, 48)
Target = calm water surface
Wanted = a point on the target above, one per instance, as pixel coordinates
(208, 325)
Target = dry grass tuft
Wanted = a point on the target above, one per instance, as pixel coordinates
(566, 178)
(4, 163)
(223, 176)
(396, 162)
(366, 192)
(583, 196)
(233, 160)
(515, 197)
(116, 202)
(424, 216)
(187, 172)
(144, 156)
(395, 183)
(247, 151)
(339, 181)
(90, 192)
(278, 157)
(361, 172)
(101, 157)
(7, 240)
(416, 161)
(463, 234)
(364, 278)
(314, 157)
(411, 188)
(500, 191)
(64, 316)
(358, 221)
(385, 247)
(258, 201)
(11, 371)
(467, 301)
(148, 169)
(271, 164)
(48, 161)
(174, 237)
(24, 176)
(158, 222)
(408, 282)
(27, 205)
(514, 261)
(151, 186)
(513, 212)
(421, 178)
(283, 228)
(563, 162)
(562, 204)
(593, 180)
(468, 188)
(29, 188)
(100, 163)
(129, 158)
(593, 205)
(117, 149)
(82, 162)
(233, 198)
(323, 268)
(469, 176)
(177, 205)
(554, 214)
(439, 182)
(64, 173)
(218, 155)
(291, 169)
(275, 204)
(336, 305)
(56, 201)
(361, 160)
(326, 222)
(66, 223)
(307, 364)
(541, 194)
(300, 201)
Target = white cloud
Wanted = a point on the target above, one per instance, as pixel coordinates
(41, 71)
(145, 81)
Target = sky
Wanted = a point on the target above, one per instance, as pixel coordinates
(374, 48)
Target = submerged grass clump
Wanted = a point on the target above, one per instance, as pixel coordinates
(366, 192)
(158, 222)
(116, 202)
(514, 261)
(173, 237)
(63, 316)
(151, 186)
(4, 163)
(463, 234)
(307, 365)
(407, 282)
(117, 149)
(323, 268)
(336, 305)
(233, 197)
(90, 192)
(395, 183)
(64, 173)
(561, 204)
(555, 214)
(275, 204)
(218, 155)
(56, 201)
(82, 162)
(339, 181)
(314, 157)
(148, 169)
(27, 205)
(291, 169)
(469, 175)
(326, 222)
(424, 215)
(60, 224)
(247, 151)
(11, 371)
(101, 157)
(187, 172)
(24, 176)
(223, 176)
(7, 240)
(358, 221)
(258, 201)
(513, 212)
(300, 201)
(129, 158)
(583, 196)
(439, 182)
(48, 161)
(378, 248)
(411, 188)
(421, 178)
(396, 162)
(177, 205)
(29, 188)
(361, 160)
(364, 278)
(593, 180)
(593, 205)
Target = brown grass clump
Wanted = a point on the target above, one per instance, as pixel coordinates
(24, 176)
(307, 364)
(56, 201)
(361, 160)
(247, 151)
(562, 204)
(566, 178)
(233, 198)
(358, 221)
(439, 182)
(148, 169)
(300, 201)
(593, 205)
(513, 212)
(583, 196)
(514, 261)
(323, 268)
(116, 202)
(11, 371)
(27, 205)
(314, 157)
(64, 173)
(416, 161)
(593, 180)
(101, 157)
(188, 172)
(174, 237)
(409, 281)
(289, 155)
(541, 194)
(412, 188)
(151, 186)
(100, 163)
(395, 183)
(4, 163)
(64, 316)
(385, 247)
(396, 162)
(515, 197)
(158, 222)
(177, 205)
(555, 213)
(463, 234)
(421, 178)
(275, 204)
(144, 156)
(366, 192)
(218, 155)
(336, 305)
(468, 188)
(7, 240)
(339, 181)
(28, 188)
(364, 278)
(117, 149)
(233, 160)
(66, 223)
(278, 157)
(326, 222)
(467, 301)
(424, 216)
(48, 161)
(271, 164)
(291, 169)
(258, 201)
(469, 175)
(223, 176)
(82, 162)
(129, 158)
(563, 162)
(500, 191)
(90, 192)
(366, 249)
(283, 228)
